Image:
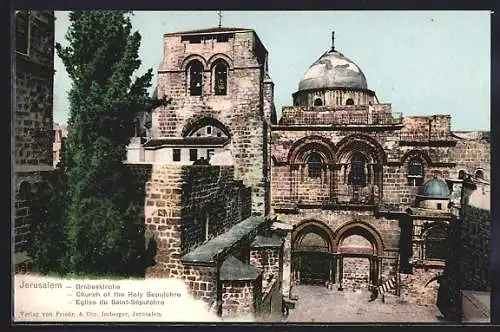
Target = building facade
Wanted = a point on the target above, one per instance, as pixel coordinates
(217, 82)
(32, 120)
(204, 161)
(364, 188)
(361, 194)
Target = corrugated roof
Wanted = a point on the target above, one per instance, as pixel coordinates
(234, 269)
(207, 31)
(206, 253)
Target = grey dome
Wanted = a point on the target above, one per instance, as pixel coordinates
(333, 70)
(435, 188)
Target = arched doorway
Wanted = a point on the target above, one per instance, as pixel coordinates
(312, 253)
(358, 250)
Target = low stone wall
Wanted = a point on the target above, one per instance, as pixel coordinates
(240, 298)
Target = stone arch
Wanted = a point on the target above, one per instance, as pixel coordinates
(300, 149)
(359, 228)
(423, 155)
(24, 189)
(192, 57)
(312, 226)
(198, 121)
(220, 56)
(364, 144)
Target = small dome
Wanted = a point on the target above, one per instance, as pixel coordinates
(333, 70)
(434, 188)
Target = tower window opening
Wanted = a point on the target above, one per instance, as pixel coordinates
(193, 154)
(177, 155)
(318, 102)
(349, 101)
(220, 78)
(314, 165)
(195, 73)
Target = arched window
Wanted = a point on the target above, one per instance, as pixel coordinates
(24, 190)
(415, 172)
(349, 101)
(357, 175)
(435, 246)
(220, 78)
(195, 75)
(479, 174)
(314, 165)
(318, 102)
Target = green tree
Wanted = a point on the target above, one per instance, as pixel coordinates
(103, 218)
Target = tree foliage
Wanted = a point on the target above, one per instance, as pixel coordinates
(103, 215)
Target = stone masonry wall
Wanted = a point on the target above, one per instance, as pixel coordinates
(241, 110)
(425, 127)
(472, 155)
(171, 194)
(240, 297)
(356, 273)
(444, 158)
(209, 193)
(291, 184)
(34, 95)
(268, 260)
(468, 264)
(476, 249)
(26, 199)
(32, 121)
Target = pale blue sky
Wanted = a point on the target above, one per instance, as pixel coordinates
(423, 62)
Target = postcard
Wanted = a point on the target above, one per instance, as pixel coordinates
(225, 166)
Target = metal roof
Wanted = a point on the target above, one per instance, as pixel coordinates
(205, 254)
(333, 70)
(234, 269)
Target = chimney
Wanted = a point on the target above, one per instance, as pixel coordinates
(333, 40)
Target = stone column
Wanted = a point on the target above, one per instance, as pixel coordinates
(331, 169)
(334, 268)
(341, 272)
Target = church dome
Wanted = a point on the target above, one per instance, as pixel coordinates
(435, 188)
(333, 70)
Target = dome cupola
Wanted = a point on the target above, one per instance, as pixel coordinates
(333, 80)
(434, 188)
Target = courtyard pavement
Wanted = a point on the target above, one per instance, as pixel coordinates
(319, 304)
